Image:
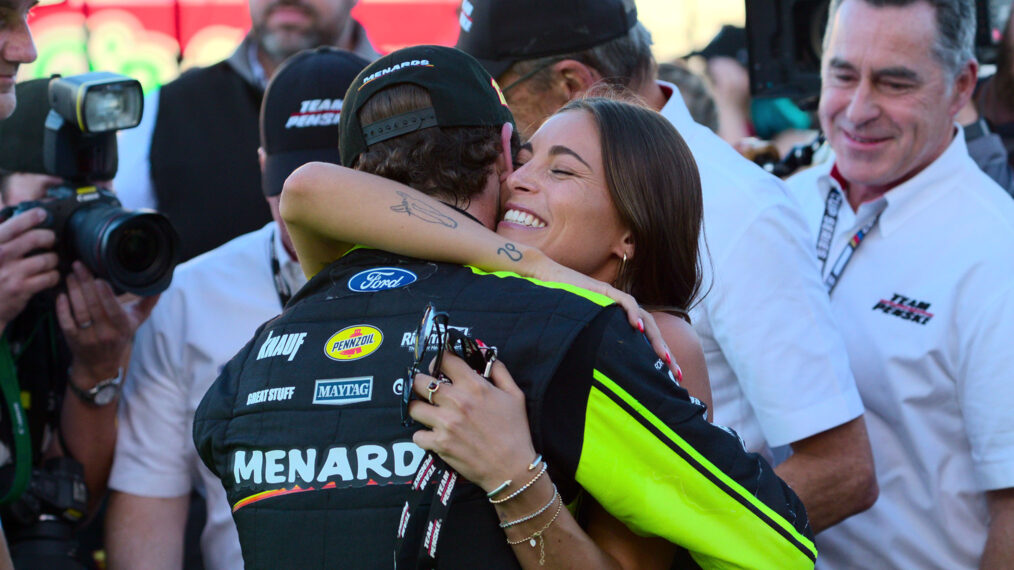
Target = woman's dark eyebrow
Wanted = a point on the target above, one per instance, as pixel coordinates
(559, 149)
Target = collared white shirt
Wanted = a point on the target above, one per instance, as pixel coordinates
(215, 303)
(926, 305)
(778, 368)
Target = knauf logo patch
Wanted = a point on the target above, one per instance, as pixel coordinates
(353, 343)
(342, 391)
(381, 279)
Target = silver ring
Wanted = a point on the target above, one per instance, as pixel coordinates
(431, 389)
(85, 324)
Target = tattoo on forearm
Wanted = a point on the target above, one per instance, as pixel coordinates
(424, 212)
(511, 251)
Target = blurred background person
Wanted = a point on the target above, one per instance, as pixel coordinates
(194, 157)
(16, 47)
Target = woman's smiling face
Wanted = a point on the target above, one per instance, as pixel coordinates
(558, 201)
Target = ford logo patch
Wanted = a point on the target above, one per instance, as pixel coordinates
(381, 279)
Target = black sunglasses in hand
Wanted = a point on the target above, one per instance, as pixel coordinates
(434, 334)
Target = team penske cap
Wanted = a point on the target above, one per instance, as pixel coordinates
(463, 95)
(301, 109)
(501, 32)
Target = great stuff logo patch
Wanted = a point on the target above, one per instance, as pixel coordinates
(905, 308)
(353, 343)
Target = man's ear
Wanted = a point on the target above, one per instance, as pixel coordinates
(262, 157)
(964, 86)
(577, 78)
(505, 162)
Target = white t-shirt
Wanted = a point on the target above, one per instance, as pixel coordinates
(926, 305)
(778, 368)
(210, 311)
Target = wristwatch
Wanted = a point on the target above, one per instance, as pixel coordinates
(100, 394)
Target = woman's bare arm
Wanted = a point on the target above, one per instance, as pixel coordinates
(328, 208)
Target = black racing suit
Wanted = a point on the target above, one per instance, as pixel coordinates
(303, 426)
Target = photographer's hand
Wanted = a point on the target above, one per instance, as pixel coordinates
(23, 273)
(98, 326)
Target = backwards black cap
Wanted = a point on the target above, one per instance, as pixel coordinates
(301, 109)
(22, 133)
(501, 32)
(462, 92)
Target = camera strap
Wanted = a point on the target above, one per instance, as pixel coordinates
(22, 452)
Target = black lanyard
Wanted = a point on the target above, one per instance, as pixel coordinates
(281, 287)
(832, 207)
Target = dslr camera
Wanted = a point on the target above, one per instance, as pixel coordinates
(135, 251)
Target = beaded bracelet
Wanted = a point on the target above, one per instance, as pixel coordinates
(552, 500)
(538, 535)
(523, 488)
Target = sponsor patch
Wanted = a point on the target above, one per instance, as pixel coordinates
(342, 391)
(395, 67)
(353, 343)
(905, 308)
(408, 338)
(281, 345)
(315, 113)
(270, 395)
(381, 279)
(310, 469)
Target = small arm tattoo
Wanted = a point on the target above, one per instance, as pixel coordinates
(424, 212)
(511, 251)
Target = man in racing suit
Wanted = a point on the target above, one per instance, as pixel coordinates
(304, 424)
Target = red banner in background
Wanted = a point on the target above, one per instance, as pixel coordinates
(154, 40)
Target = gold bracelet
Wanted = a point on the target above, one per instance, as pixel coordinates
(526, 518)
(523, 487)
(538, 535)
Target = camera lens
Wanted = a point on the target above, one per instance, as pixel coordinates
(137, 249)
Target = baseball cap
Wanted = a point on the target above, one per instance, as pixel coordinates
(501, 32)
(462, 92)
(301, 109)
(21, 134)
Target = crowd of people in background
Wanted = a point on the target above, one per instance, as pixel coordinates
(824, 378)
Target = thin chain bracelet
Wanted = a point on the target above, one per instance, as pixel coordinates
(538, 536)
(523, 487)
(552, 500)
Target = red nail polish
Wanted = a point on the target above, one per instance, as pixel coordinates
(679, 375)
(640, 325)
(668, 357)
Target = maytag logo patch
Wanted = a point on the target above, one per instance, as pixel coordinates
(905, 308)
(353, 343)
(282, 345)
(342, 391)
(381, 279)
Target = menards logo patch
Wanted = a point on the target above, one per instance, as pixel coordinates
(353, 343)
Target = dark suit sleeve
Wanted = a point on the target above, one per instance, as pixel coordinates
(636, 442)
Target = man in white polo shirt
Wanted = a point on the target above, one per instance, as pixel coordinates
(917, 248)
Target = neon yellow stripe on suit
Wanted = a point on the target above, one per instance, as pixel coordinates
(597, 298)
(689, 502)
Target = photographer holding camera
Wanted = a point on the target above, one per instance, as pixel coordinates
(63, 349)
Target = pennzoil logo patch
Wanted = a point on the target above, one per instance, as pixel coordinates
(905, 308)
(353, 343)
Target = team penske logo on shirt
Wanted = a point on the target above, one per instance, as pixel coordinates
(315, 113)
(353, 343)
(341, 391)
(381, 279)
(395, 67)
(905, 308)
(282, 345)
(298, 470)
